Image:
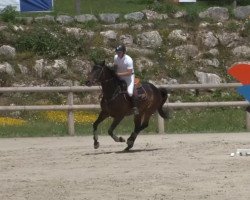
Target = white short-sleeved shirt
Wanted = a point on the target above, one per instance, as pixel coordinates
(123, 63)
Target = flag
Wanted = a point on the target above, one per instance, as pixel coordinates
(241, 72)
(28, 5)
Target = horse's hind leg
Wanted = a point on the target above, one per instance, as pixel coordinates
(140, 124)
(102, 116)
(114, 124)
(131, 139)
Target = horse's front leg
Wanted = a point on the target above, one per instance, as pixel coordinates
(102, 116)
(114, 124)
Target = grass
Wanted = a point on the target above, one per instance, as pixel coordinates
(34, 129)
(120, 6)
(182, 121)
(124, 6)
(99, 6)
(67, 7)
(208, 120)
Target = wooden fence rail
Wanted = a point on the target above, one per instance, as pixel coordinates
(70, 107)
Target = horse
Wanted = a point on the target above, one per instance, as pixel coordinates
(117, 104)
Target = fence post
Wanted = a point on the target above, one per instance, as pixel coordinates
(71, 126)
(78, 7)
(248, 118)
(160, 124)
(234, 4)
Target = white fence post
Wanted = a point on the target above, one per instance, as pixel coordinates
(160, 124)
(161, 121)
(248, 118)
(78, 7)
(71, 126)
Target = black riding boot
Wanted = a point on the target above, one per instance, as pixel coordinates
(134, 103)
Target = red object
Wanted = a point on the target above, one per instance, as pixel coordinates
(240, 72)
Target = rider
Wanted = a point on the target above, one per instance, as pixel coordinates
(123, 64)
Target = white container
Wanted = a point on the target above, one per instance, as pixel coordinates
(243, 152)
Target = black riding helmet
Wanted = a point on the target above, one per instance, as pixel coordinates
(121, 48)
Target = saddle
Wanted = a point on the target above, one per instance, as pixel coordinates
(139, 90)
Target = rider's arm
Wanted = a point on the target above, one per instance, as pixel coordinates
(129, 71)
(126, 73)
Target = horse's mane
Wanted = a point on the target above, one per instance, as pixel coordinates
(112, 72)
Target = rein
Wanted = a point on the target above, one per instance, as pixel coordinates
(108, 80)
(117, 89)
(99, 75)
(115, 94)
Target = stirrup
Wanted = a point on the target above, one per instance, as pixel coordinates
(136, 111)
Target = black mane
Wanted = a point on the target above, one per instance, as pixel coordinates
(109, 70)
(112, 72)
(117, 81)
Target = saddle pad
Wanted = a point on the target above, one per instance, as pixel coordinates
(137, 83)
(141, 93)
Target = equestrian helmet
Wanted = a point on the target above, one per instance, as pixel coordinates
(120, 48)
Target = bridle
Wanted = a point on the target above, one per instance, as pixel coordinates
(106, 81)
(100, 74)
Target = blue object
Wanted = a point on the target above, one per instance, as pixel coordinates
(244, 91)
(36, 5)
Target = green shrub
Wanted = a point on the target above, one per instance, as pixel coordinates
(232, 26)
(52, 45)
(246, 31)
(90, 24)
(8, 14)
(97, 55)
(192, 14)
(167, 7)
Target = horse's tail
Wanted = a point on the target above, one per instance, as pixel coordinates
(164, 94)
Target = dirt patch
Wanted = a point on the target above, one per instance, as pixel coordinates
(185, 166)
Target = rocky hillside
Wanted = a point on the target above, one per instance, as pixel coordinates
(167, 48)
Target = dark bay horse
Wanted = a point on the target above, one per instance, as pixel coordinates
(117, 104)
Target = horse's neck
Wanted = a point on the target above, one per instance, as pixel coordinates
(110, 87)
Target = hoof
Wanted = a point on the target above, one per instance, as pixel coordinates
(130, 144)
(96, 145)
(127, 149)
(121, 139)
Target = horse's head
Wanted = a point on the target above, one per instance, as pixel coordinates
(96, 74)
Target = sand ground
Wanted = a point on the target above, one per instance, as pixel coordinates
(176, 166)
